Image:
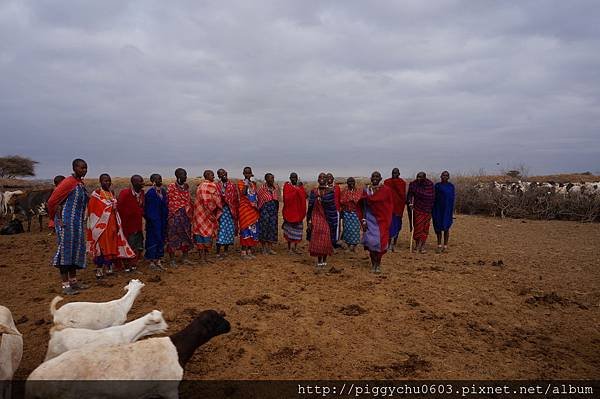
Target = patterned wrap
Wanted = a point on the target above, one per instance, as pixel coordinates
(71, 234)
(103, 218)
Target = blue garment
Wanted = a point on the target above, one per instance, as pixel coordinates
(351, 234)
(71, 235)
(268, 221)
(226, 228)
(155, 212)
(372, 237)
(443, 206)
(395, 226)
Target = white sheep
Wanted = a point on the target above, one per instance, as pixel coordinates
(11, 350)
(62, 340)
(93, 315)
(146, 365)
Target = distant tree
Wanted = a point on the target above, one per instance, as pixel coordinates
(16, 165)
(520, 171)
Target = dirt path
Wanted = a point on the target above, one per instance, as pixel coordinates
(448, 316)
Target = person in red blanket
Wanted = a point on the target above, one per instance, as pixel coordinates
(398, 187)
(105, 239)
(375, 209)
(294, 211)
(130, 206)
(420, 197)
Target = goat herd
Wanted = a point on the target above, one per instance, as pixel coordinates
(589, 188)
(90, 342)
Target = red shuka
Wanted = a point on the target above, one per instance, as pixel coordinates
(398, 187)
(294, 203)
(131, 211)
(380, 204)
(60, 193)
(337, 192)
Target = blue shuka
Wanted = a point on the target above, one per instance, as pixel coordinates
(71, 235)
(156, 213)
(443, 206)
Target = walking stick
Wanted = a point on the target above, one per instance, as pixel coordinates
(412, 225)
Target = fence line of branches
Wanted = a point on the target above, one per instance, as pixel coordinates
(536, 203)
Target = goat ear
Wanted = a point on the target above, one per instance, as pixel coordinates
(156, 316)
(8, 330)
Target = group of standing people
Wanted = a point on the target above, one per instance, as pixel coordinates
(223, 210)
(113, 234)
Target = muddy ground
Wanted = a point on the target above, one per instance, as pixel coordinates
(512, 299)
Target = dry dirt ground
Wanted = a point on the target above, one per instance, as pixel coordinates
(457, 315)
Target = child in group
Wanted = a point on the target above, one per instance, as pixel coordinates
(105, 238)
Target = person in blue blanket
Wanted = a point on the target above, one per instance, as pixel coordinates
(156, 213)
(443, 209)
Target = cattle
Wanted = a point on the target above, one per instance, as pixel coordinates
(33, 203)
(13, 227)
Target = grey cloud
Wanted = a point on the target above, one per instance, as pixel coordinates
(347, 86)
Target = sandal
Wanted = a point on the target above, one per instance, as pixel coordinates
(78, 286)
(69, 291)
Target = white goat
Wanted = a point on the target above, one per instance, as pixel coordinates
(11, 351)
(93, 315)
(9, 204)
(153, 366)
(72, 338)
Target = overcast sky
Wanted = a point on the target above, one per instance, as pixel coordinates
(343, 86)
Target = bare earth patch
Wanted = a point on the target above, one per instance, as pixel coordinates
(509, 300)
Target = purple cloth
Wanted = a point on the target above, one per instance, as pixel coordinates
(421, 194)
(372, 237)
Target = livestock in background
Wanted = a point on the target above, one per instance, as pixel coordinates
(14, 226)
(31, 204)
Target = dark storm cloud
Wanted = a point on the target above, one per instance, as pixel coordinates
(348, 86)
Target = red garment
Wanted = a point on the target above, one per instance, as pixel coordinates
(380, 205)
(230, 196)
(179, 197)
(207, 210)
(320, 235)
(398, 187)
(105, 234)
(130, 206)
(60, 193)
(338, 196)
(266, 194)
(248, 214)
(294, 203)
(349, 200)
(421, 227)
